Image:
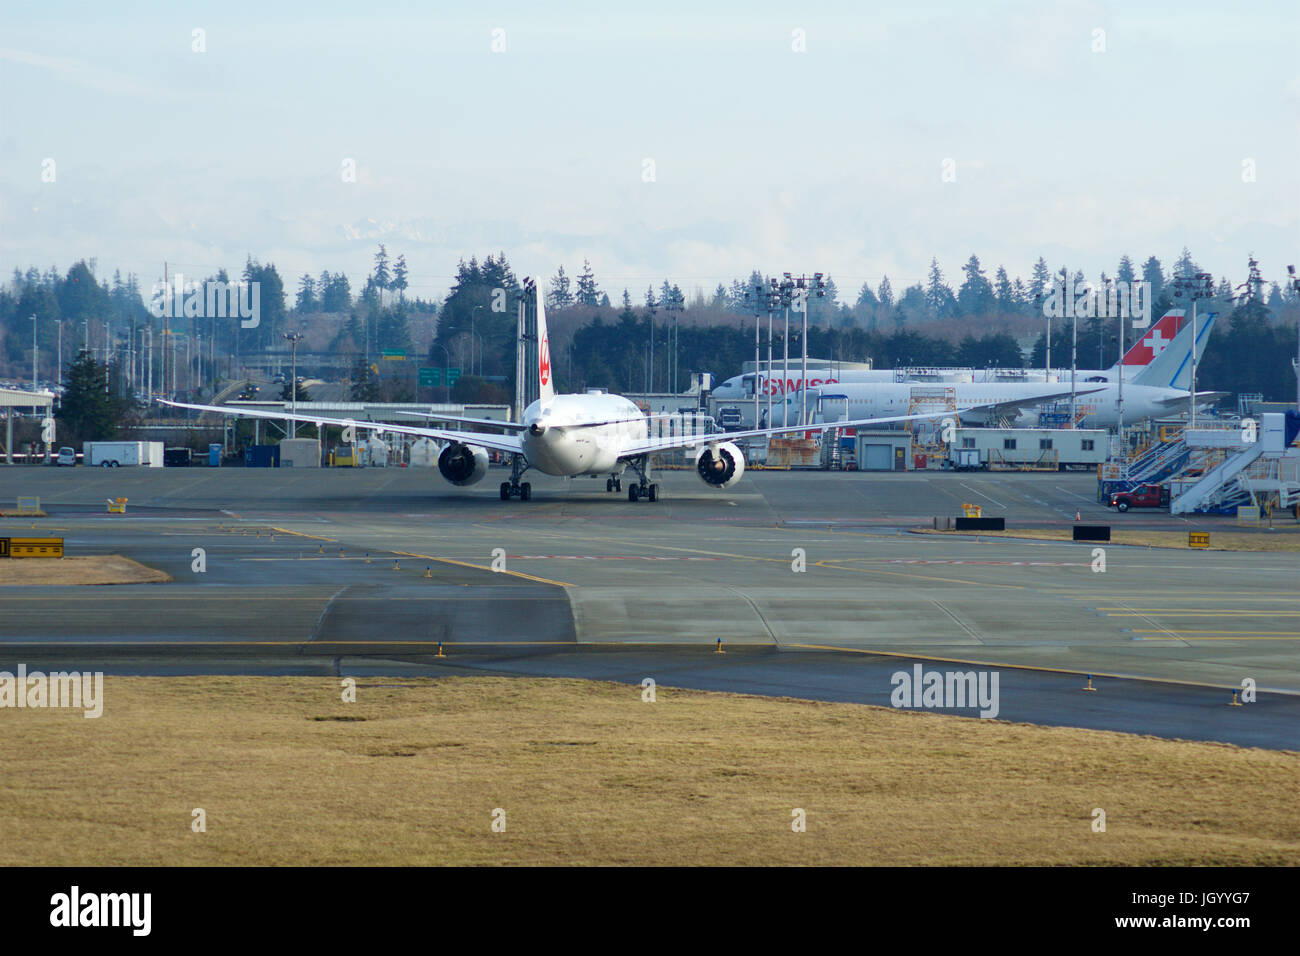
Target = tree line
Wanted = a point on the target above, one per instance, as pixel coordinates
(930, 323)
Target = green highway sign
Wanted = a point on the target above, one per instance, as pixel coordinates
(432, 377)
(394, 355)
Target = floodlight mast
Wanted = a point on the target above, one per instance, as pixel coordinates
(293, 338)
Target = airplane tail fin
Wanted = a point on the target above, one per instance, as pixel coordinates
(546, 388)
(1172, 367)
(1151, 343)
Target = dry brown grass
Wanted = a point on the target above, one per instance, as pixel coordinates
(87, 569)
(1284, 537)
(589, 774)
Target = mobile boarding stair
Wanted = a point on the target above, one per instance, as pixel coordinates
(1266, 466)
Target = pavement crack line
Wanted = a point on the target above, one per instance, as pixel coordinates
(958, 621)
(1156, 624)
(324, 612)
(766, 626)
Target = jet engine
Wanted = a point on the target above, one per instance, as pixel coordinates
(463, 464)
(721, 469)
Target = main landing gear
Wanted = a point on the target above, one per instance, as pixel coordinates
(514, 486)
(644, 488)
(614, 483)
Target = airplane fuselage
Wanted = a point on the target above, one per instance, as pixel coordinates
(874, 401)
(572, 435)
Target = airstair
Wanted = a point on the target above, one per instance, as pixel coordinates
(1264, 471)
(1218, 489)
(927, 434)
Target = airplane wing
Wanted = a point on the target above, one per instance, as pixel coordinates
(494, 422)
(1202, 398)
(651, 445)
(1012, 408)
(694, 441)
(506, 443)
(520, 426)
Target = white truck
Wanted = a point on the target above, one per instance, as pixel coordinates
(111, 454)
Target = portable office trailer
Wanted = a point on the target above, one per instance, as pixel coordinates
(300, 453)
(1027, 449)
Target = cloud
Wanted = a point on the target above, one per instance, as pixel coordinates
(78, 71)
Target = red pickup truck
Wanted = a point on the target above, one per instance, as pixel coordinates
(1144, 496)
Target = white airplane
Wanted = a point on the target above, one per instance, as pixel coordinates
(1154, 393)
(591, 434)
(739, 388)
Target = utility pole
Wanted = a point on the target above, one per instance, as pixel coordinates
(59, 372)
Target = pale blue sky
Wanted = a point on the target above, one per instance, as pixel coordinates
(826, 160)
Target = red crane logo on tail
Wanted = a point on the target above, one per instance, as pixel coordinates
(545, 360)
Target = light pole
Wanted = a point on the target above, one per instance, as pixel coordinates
(473, 329)
(293, 338)
(1074, 363)
(1199, 286)
(756, 294)
(35, 386)
(475, 335)
(773, 297)
(1123, 451)
(1295, 285)
(672, 310)
(650, 384)
(807, 286)
(787, 286)
(446, 361)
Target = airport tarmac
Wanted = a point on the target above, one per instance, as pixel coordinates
(595, 586)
